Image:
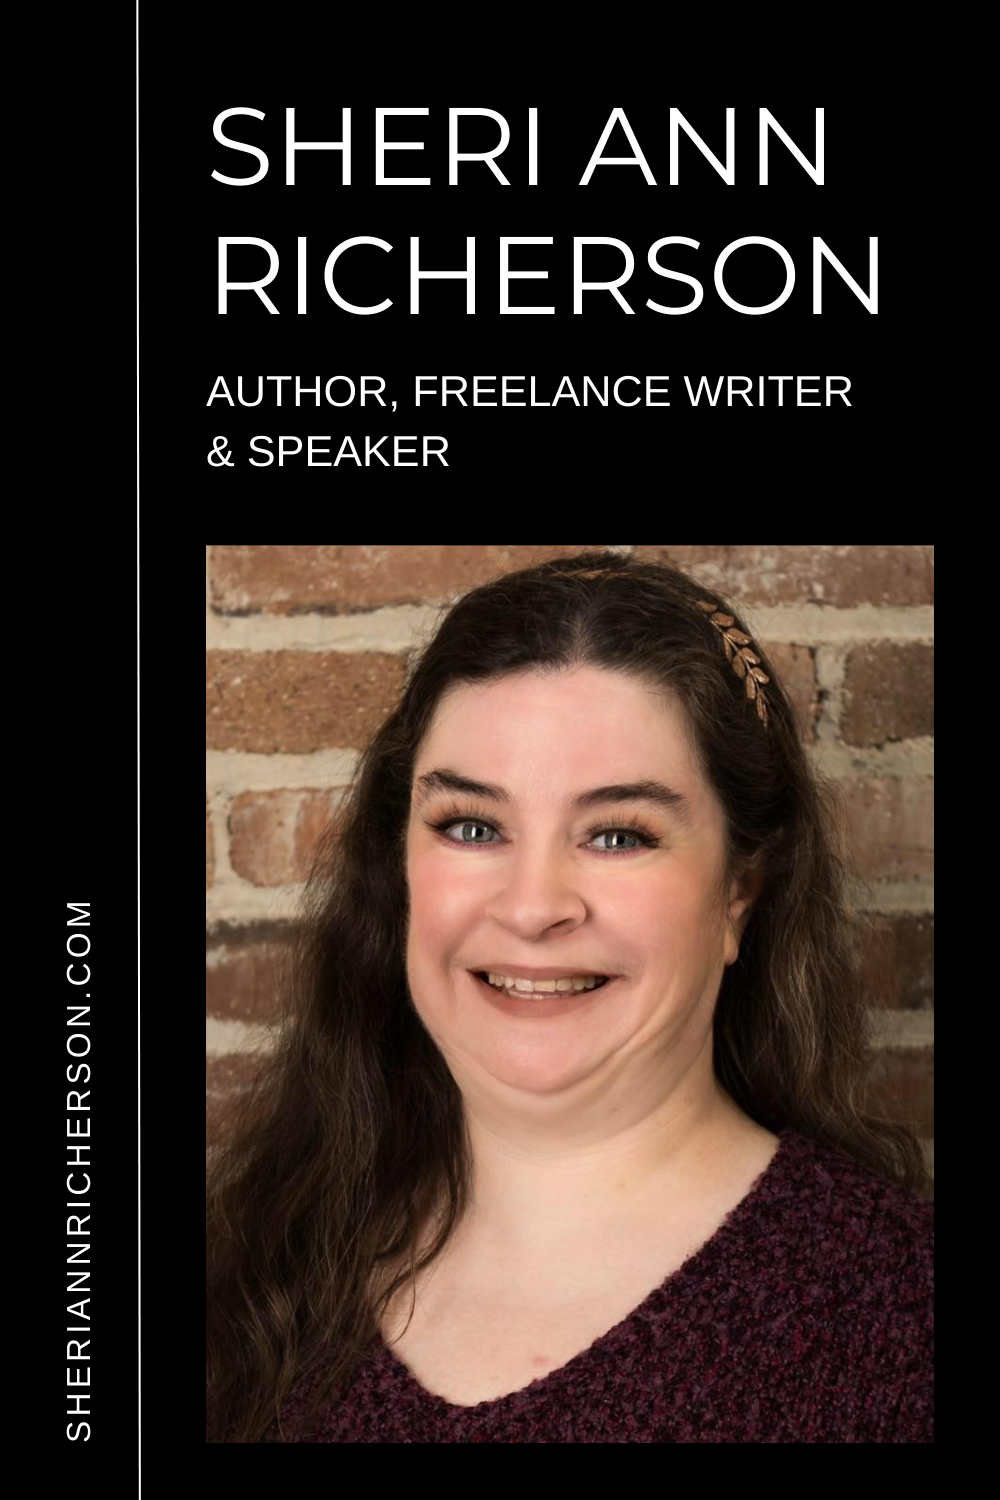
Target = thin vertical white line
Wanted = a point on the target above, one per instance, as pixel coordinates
(138, 793)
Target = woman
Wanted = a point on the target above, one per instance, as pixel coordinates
(652, 1200)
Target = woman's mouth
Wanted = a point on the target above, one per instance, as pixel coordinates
(541, 1003)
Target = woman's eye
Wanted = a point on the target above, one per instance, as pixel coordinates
(467, 823)
(618, 833)
(640, 839)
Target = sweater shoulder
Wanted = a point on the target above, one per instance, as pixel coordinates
(857, 1253)
(824, 1217)
(853, 1209)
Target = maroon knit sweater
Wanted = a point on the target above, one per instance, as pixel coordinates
(808, 1317)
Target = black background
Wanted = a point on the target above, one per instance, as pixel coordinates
(320, 66)
(193, 63)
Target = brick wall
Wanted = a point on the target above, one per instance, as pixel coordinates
(306, 646)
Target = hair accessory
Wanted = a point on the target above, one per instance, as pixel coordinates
(742, 660)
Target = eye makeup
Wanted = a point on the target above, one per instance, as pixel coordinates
(626, 825)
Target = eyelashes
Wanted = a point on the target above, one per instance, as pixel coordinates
(647, 839)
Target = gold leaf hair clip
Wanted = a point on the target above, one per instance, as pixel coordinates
(742, 660)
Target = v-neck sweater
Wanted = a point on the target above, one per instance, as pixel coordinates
(807, 1317)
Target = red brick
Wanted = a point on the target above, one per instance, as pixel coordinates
(346, 580)
(242, 977)
(887, 576)
(899, 961)
(795, 668)
(273, 835)
(890, 825)
(295, 702)
(888, 693)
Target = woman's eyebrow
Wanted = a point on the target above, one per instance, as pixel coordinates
(645, 790)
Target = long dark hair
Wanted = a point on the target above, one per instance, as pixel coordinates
(350, 1137)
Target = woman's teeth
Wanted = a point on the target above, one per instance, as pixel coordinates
(544, 986)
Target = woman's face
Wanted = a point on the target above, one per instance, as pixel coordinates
(538, 884)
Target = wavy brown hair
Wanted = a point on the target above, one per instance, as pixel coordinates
(350, 1138)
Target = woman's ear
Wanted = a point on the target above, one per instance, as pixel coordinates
(744, 893)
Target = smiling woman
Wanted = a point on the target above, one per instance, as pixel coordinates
(443, 1211)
